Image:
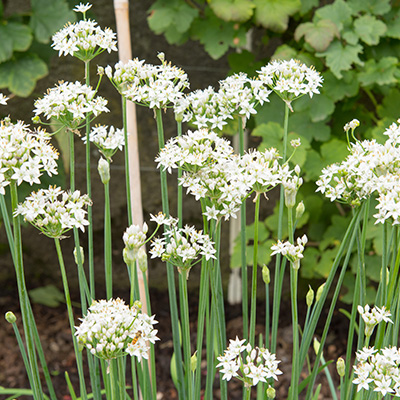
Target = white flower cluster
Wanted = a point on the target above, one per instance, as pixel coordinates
(259, 365)
(54, 211)
(69, 103)
(182, 247)
(290, 79)
(134, 238)
(373, 317)
(108, 141)
(237, 95)
(24, 154)
(84, 39)
(3, 99)
(370, 168)
(292, 252)
(112, 329)
(153, 86)
(378, 371)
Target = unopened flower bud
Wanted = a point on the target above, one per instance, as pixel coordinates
(100, 70)
(295, 143)
(340, 366)
(309, 297)
(108, 71)
(129, 255)
(137, 304)
(193, 362)
(300, 210)
(296, 264)
(161, 57)
(316, 345)
(179, 117)
(271, 393)
(319, 292)
(104, 170)
(82, 254)
(36, 119)
(142, 259)
(290, 192)
(10, 317)
(266, 275)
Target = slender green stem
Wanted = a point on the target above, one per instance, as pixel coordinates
(127, 171)
(254, 275)
(107, 240)
(179, 192)
(27, 321)
(6, 221)
(113, 382)
(121, 377)
(170, 270)
(78, 354)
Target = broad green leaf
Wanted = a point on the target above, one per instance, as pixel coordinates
(307, 5)
(20, 75)
(334, 151)
(389, 106)
(284, 52)
(233, 10)
(350, 37)
(49, 296)
(339, 12)
(373, 267)
(161, 16)
(173, 36)
(377, 7)
(369, 29)
(14, 37)
(337, 228)
(321, 107)
(49, 16)
(274, 14)
(309, 264)
(244, 62)
(341, 58)
(301, 123)
(393, 24)
(380, 73)
(338, 89)
(312, 166)
(318, 35)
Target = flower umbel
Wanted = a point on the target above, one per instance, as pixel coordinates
(373, 317)
(108, 141)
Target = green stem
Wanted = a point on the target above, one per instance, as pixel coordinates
(107, 240)
(254, 275)
(121, 377)
(6, 221)
(78, 354)
(127, 170)
(27, 321)
(179, 193)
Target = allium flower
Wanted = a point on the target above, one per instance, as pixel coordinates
(24, 154)
(3, 99)
(84, 39)
(134, 238)
(290, 79)
(108, 141)
(112, 329)
(373, 317)
(378, 371)
(292, 252)
(259, 365)
(69, 103)
(54, 211)
(153, 86)
(182, 247)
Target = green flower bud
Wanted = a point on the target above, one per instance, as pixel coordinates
(300, 210)
(340, 366)
(316, 345)
(142, 259)
(10, 317)
(290, 196)
(129, 255)
(266, 275)
(193, 362)
(76, 255)
(100, 70)
(271, 393)
(319, 292)
(104, 170)
(36, 119)
(137, 304)
(309, 296)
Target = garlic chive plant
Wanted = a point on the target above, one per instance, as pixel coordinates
(222, 182)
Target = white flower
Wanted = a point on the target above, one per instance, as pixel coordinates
(112, 329)
(373, 317)
(54, 211)
(292, 252)
(82, 7)
(108, 141)
(3, 99)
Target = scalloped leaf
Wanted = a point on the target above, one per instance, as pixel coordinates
(369, 29)
(339, 12)
(381, 73)
(49, 16)
(318, 35)
(14, 37)
(274, 14)
(233, 10)
(376, 7)
(20, 75)
(393, 25)
(338, 89)
(341, 58)
(333, 151)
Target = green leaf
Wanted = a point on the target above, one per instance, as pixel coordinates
(321, 108)
(14, 37)
(389, 106)
(274, 14)
(244, 62)
(49, 296)
(338, 89)
(232, 10)
(49, 16)
(307, 5)
(334, 151)
(341, 58)
(302, 124)
(377, 7)
(350, 37)
(380, 73)
(284, 52)
(318, 35)
(339, 12)
(20, 75)
(312, 166)
(393, 25)
(369, 29)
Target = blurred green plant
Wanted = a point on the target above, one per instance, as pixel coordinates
(354, 43)
(24, 50)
